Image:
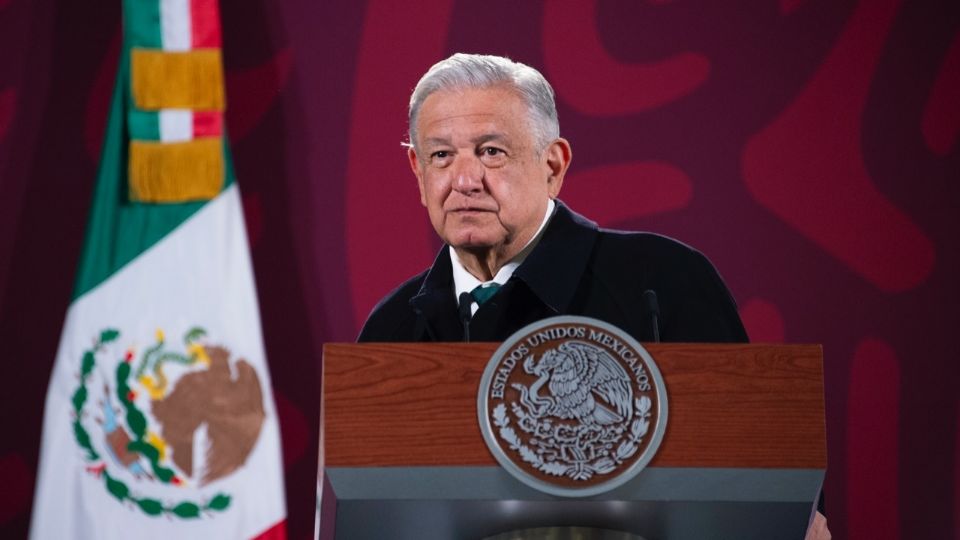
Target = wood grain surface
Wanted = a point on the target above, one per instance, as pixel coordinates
(754, 406)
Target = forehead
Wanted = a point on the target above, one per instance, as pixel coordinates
(471, 112)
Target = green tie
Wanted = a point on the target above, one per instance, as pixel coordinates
(483, 292)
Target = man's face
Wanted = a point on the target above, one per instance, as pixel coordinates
(482, 177)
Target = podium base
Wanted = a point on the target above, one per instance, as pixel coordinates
(661, 503)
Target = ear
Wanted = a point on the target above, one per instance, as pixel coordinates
(557, 157)
(415, 167)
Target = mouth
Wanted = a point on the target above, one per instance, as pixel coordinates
(470, 210)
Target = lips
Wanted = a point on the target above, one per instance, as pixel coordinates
(470, 210)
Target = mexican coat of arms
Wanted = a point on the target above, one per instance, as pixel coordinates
(572, 406)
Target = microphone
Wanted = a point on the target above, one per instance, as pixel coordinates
(653, 308)
(466, 313)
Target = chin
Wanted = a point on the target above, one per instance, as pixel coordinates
(472, 240)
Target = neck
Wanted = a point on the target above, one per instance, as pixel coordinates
(484, 263)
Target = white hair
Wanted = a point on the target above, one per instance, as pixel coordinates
(462, 71)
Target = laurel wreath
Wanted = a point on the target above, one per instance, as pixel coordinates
(137, 423)
(583, 471)
(638, 428)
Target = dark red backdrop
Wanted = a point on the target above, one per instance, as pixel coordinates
(809, 147)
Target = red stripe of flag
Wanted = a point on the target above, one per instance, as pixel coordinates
(205, 24)
(277, 532)
(207, 123)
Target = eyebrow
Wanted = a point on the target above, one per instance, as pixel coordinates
(437, 141)
(487, 137)
(491, 137)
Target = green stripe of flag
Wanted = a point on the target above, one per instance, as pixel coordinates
(144, 125)
(142, 23)
(118, 230)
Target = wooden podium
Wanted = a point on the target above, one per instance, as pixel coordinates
(402, 457)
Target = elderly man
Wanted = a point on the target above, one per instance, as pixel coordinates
(485, 147)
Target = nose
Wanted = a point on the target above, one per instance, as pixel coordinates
(468, 175)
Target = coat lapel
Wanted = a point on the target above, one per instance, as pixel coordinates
(551, 273)
(554, 268)
(435, 304)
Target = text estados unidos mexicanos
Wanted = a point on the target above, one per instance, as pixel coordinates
(498, 385)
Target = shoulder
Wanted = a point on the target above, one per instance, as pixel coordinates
(695, 303)
(650, 251)
(637, 261)
(393, 315)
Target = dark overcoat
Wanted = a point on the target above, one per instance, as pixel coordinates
(575, 269)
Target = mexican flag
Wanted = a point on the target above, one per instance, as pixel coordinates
(159, 419)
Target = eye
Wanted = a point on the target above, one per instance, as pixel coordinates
(492, 156)
(441, 158)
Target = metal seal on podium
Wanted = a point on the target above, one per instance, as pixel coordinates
(572, 406)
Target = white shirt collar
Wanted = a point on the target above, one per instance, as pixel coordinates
(464, 281)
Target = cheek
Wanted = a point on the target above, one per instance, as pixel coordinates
(519, 200)
(439, 196)
(514, 191)
(435, 190)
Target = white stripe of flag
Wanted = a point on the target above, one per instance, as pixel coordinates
(176, 24)
(176, 125)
